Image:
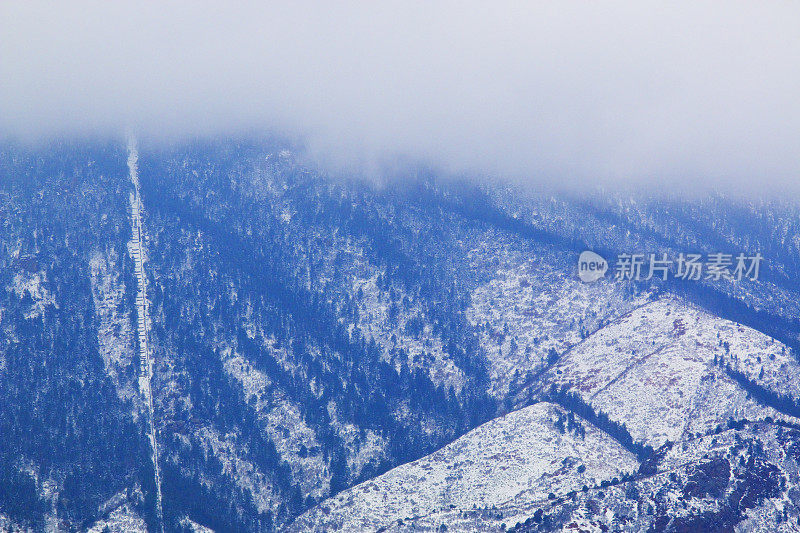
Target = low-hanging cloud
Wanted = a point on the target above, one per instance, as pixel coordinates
(570, 93)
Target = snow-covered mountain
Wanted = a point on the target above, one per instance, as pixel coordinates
(483, 479)
(661, 372)
(329, 352)
(661, 369)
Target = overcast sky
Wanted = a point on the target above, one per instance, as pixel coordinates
(559, 92)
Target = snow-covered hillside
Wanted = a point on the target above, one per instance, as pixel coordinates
(659, 370)
(508, 463)
(315, 341)
(742, 479)
(662, 371)
(533, 309)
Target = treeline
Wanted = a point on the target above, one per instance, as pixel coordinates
(780, 402)
(573, 402)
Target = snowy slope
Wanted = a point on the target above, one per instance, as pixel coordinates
(508, 462)
(654, 370)
(659, 369)
(742, 479)
(533, 306)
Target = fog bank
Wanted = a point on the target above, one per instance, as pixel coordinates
(644, 94)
